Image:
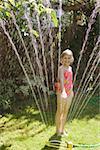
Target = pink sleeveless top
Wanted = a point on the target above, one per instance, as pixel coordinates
(65, 77)
(68, 83)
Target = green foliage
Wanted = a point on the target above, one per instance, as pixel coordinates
(35, 33)
(37, 83)
(42, 9)
(24, 89)
(54, 18)
(11, 91)
(7, 93)
(32, 8)
(20, 6)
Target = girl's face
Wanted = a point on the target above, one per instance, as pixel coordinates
(66, 60)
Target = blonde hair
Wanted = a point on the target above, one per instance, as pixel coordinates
(69, 53)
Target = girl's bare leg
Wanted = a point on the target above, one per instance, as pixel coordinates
(58, 114)
(62, 117)
(66, 107)
(64, 120)
(61, 112)
(57, 121)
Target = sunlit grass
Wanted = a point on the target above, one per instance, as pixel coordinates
(25, 131)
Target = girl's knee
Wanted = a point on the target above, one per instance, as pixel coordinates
(59, 112)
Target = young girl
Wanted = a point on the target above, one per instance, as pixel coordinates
(64, 90)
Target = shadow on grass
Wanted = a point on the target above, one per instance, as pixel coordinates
(91, 110)
(4, 147)
(26, 110)
(25, 116)
(53, 137)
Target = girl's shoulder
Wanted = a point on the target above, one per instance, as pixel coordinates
(60, 67)
(69, 69)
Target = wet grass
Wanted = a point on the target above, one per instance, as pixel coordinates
(23, 130)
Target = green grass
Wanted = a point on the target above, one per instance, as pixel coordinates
(23, 129)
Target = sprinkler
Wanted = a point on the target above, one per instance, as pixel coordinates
(69, 145)
(56, 144)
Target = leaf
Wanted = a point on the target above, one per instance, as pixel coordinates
(24, 89)
(1, 7)
(54, 18)
(7, 14)
(12, 2)
(48, 10)
(6, 5)
(35, 33)
(31, 1)
(41, 8)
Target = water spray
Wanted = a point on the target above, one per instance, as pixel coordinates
(90, 88)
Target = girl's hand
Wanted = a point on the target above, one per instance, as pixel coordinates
(57, 87)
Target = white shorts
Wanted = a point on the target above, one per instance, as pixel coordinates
(61, 102)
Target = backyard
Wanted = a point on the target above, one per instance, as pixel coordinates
(33, 36)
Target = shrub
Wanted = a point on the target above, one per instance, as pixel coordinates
(7, 93)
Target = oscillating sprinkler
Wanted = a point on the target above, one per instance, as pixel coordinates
(69, 145)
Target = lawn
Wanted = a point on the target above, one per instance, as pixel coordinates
(22, 129)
